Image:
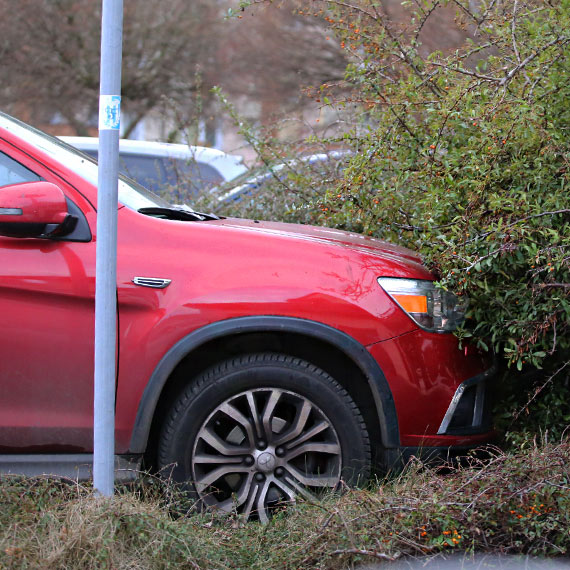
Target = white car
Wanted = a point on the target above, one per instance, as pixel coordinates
(251, 182)
(177, 169)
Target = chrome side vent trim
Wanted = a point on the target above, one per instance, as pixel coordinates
(153, 282)
(11, 211)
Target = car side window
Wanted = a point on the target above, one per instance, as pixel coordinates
(12, 172)
(160, 174)
(200, 174)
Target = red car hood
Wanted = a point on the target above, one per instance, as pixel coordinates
(365, 244)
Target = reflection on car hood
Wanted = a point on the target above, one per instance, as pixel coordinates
(363, 243)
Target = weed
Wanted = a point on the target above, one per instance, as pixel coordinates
(510, 503)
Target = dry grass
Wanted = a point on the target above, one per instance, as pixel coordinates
(515, 503)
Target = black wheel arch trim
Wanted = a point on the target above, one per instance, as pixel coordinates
(376, 379)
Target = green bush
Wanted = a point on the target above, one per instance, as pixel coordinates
(464, 157)
(470, 166)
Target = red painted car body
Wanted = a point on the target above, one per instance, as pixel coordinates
(235, 286)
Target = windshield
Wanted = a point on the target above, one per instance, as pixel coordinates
(131, 194)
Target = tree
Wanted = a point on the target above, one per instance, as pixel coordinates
(270, 52)
(50, 57)
(279, 49)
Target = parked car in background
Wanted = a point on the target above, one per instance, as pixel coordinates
(176, 169)
(252, 182)
(257, 362)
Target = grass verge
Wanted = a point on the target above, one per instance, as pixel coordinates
(511, 503)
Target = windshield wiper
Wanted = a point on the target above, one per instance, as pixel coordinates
(177, 214)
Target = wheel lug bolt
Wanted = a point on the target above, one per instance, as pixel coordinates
(261, 444)
(249, 460)
(280, 451)
(279, 471)
(259, 477)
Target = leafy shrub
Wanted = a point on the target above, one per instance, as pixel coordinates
(535, 405)
(472, 170)
(464, 157)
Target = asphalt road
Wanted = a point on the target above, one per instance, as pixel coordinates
(477, 562)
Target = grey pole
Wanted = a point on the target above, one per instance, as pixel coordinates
(106, 253)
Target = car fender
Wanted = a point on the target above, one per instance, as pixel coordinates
(376, 379)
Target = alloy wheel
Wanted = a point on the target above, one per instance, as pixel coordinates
(263, 448)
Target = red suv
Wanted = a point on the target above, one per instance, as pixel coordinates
(256, 361)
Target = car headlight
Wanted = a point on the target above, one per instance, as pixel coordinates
(432, 309)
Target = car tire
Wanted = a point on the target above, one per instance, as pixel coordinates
(255, 432)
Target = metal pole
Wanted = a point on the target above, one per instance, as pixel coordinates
(106, 255)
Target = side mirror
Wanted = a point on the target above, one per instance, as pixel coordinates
(34, 209)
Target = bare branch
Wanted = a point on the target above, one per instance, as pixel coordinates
(373, 553)
(513, 34)
(540, 389)
(466, 72)
(559, 40)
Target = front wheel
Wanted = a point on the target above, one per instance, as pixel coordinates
(258, 431)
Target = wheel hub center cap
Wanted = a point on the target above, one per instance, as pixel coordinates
(266, 462)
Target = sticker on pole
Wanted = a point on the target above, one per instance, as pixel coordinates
(109, 112)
